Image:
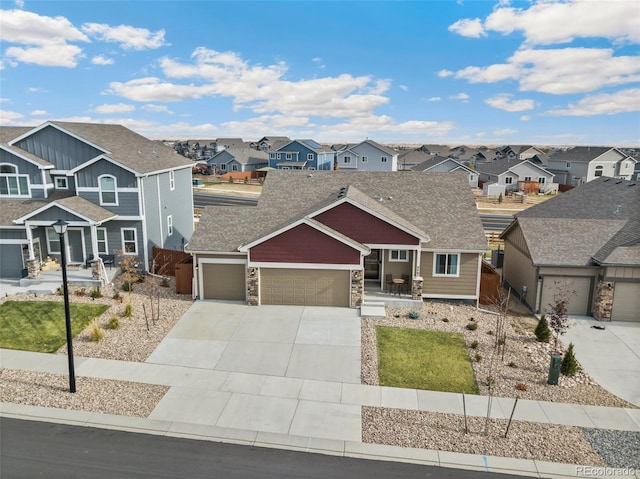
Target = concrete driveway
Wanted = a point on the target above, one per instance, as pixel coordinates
(283, 341)
(611, 356)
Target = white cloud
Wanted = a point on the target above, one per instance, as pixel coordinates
(35, 89)
(39, 113)
(9, 117)
(44, 39)
(403, 87)
(434, 98)
(463, 97)
(445, 73)
(624, 101)
(19, 3)
(561, 71)
(129, 38)
(468, 27)
(504, 132)
(102, 60)
(157, 108)
(504, 102)
(261, 89)
(525, 117)
(548, 22)
(317, 60)
(110, 108)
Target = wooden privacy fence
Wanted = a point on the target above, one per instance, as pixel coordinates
(489, 285)
(165, 260)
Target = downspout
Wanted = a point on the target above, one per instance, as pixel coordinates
(160, 212)
(142, 211)
(538, 306)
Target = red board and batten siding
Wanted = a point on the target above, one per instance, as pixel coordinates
(304, 244)
(364, 227)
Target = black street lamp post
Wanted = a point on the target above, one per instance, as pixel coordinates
(60, 227)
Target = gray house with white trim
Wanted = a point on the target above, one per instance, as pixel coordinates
(508, 173)
(121, 194)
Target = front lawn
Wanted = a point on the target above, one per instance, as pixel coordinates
(40, 325)
(424, 359)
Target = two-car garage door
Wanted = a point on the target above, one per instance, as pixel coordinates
(317, 287)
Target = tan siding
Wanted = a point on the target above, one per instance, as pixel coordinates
(613, 272)
(518, 271)
(397, 269)
(516, 238)
(464, 285)
(560, 271)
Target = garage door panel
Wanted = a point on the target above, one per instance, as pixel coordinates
(626, 302)
(304, 287)
(578, 303)
(224, 281)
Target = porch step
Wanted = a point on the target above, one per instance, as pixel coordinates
(373, 308)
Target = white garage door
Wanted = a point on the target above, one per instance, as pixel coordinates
(223, 281)
(578, 303)
(317, 287)
(626, 302)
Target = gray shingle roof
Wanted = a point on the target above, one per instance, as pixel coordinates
(127, 147)
(598, 222)
(580, 153)
(438, 204)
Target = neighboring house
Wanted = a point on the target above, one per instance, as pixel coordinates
(267, 143)
(530, 152)
(509, 173)
(302, 155)
(583, 244)
(409, 159)
(582, 164)
(317, 238)
(120, 193)
(241, 159)
(438, 163)
(366, 156)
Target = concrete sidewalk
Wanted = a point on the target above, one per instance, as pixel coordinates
(300, 414)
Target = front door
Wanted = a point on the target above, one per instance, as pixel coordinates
(372, 265)
(76, 251)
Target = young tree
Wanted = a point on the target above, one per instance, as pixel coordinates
(569, 365)
(559, 313)
(542, 331)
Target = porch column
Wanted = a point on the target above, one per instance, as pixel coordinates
(416, 262)
(32, 253)
(94, 240)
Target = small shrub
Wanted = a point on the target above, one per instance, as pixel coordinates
(542, 331)
(117, 296)
(478, 357)
(128, 311)
(490, 332)
(81, 292)
(95, 331)
(474, 344)
(521, 387)
(230, 180)
(513, 365)
(96, 292)
(569, 364)
(472, 326)
(126, 286)
(114, 322)
(502, 340)
(60, 291)
(165, 282)
(414, 315)
(490, 381)
(445, 320)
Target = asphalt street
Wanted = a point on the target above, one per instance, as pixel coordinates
(30, 449)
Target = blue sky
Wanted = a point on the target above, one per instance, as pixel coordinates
(454, 72)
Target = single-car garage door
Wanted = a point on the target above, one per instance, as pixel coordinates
(223, 281)
(626, 302)
(578, 302)
(11, 261)
(317, 287)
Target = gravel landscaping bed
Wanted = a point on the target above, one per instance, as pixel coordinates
(134, 340)
(525, 364)
(96, 395)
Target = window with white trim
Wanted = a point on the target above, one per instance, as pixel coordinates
(234, 167)
(53, 241)
(347, 160)
(541, 179)
(12, 183)
(169, 225)
(101, 236)
(599, 170)
(129, 241)
(108, 195)
(310, 156)
(272, 156)
(288, 156)
(568, 165)
(398, 255)
(527, 178)
(223, 167)
(365, 159)
(508, 180)
(172, 180)
(278, 156)
(383, 159)
(446, 264)
(61, 183)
